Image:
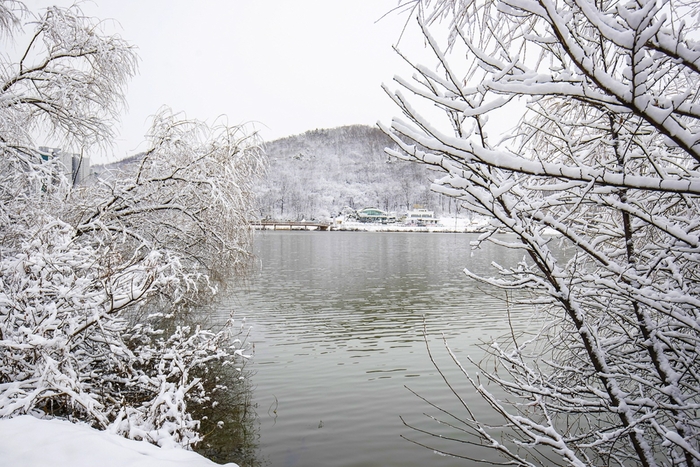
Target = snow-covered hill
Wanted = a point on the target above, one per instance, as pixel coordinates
(317, 174)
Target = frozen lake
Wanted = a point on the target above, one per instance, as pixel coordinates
(337, 326)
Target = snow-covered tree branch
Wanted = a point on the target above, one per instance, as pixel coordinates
(604, 164)
(89, 274)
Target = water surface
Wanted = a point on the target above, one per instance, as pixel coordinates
(338, 333)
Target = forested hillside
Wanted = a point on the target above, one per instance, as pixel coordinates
(320, 173)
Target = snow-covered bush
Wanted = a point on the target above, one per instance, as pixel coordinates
(94, 280)
(606, 158)
(169, 378)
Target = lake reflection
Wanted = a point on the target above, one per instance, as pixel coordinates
(337, 323)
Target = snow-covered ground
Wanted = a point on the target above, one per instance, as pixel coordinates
(29, 442)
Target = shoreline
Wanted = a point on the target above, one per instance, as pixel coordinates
(464, 226)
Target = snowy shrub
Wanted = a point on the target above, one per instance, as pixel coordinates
(165, 418)
(599, 185)
(71, 348)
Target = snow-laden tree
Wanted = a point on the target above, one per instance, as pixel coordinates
(93, 278)
(599, 184)
(62, 79)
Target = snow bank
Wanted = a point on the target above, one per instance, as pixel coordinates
(29, 442)
(446, 224)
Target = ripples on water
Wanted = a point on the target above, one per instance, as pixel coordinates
(337, 325)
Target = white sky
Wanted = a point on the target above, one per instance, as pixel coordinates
(287, 65)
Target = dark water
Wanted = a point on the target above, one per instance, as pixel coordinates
(338, 324)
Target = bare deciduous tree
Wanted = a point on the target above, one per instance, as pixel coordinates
(604, 162)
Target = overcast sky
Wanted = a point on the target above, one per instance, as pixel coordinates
(286, 65)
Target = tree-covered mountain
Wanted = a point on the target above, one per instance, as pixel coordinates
(321, 173)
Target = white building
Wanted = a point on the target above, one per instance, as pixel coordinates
(420, 216)
(77, 166)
